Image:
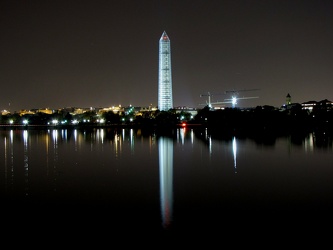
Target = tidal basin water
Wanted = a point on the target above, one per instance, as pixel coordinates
(185, 179)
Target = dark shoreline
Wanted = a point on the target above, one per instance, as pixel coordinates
(83, 126)
(218, 131)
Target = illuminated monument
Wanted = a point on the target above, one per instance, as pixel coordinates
(165, 101)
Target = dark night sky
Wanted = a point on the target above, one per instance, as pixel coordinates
(103, 53)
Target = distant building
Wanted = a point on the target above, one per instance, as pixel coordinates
(45, 111)
(5, 112)
(115, 109)
(288, 105)
(26, 112)
(288, 99)
(191, 111)
(165, 99)
(325, 104)
(314, 105)
(309, 105)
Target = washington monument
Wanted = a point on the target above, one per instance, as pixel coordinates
(165, 100)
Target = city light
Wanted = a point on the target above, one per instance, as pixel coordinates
(234, 101)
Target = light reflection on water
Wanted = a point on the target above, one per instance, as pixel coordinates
(190, 173)
(165, 147)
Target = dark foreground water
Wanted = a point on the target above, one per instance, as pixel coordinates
(102, 183)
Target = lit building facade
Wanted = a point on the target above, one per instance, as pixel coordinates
(165, 99)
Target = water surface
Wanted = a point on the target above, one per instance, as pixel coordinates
(186, 180)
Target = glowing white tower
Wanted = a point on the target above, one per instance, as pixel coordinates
(165, 101)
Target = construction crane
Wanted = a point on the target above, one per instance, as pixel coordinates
(234, 96)
(209, 103)
(233, 100)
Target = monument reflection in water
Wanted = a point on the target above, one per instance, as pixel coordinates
(165, 148)
(166, 164)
